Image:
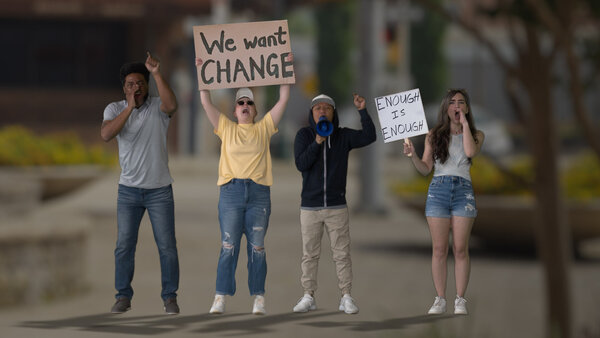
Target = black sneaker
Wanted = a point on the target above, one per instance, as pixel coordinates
(171, 307)
(123, 304)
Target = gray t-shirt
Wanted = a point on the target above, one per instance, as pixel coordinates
(142, 144)
(457, 163)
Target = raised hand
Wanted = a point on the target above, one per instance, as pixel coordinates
(359, 101)
(152, 64)
(409, 148)
(290, 57)
(463, 117)
(130, 95)
(199, 62)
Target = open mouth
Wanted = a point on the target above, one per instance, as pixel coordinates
(245, 111)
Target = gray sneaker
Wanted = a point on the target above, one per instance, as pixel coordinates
(171, 307)
(123, 304)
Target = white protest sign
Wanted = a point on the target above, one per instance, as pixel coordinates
(401, 115)
(243, 54)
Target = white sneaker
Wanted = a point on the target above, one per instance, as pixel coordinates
(347, 305)
(259, 305)
(438, 307)
(305, 304)
(218, 306)
(460, 306)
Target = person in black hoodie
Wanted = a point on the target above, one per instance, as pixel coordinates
(323, 161)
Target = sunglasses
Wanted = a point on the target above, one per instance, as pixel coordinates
(241, 103)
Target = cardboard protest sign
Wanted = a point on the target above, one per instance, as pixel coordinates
(243, 54)
(401, 115)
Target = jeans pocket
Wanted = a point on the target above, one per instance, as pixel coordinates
(165, 193)
(435, 181)
(227, 186)
(466, 183)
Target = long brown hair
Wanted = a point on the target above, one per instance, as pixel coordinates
(440, 134)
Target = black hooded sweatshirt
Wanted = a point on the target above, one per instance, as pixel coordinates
(324, 166)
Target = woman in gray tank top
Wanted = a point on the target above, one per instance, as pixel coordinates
(450, 206)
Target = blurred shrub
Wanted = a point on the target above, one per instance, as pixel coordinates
(21, 147)
(580, 179)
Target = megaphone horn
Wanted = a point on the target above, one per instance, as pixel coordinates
(324, 127)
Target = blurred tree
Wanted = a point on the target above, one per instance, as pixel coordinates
(541, 32)
(334, 46)
(428, 62)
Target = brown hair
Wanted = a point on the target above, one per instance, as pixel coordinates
(440, 134)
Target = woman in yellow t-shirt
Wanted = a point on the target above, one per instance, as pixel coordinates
(245, 178)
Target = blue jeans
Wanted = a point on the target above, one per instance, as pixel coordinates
(131, 205)
(244, 208)
(450, 196)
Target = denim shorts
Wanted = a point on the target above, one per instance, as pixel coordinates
(450, 196)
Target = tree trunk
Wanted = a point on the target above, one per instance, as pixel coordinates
(552, 237)
(553, 240)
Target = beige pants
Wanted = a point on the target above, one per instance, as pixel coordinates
(312, 224)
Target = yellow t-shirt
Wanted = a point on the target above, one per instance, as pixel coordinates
(245, 150)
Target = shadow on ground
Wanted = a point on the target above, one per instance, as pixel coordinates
(111, 323)
(231, 324)
(387, 324)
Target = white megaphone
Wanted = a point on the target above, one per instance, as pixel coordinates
(324, 127)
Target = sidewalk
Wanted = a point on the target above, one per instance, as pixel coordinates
(391, 263)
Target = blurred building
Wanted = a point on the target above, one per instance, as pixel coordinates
(61, 58)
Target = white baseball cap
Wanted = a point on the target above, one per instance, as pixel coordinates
(322, 98)
(244, 92)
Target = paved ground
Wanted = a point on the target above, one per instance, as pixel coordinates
(392, 282)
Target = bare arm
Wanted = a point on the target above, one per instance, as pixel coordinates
(279, 107)
(167, 97)
(284, 95)
(211, 111)
(111, 128)
(471, 147)
(423, 165)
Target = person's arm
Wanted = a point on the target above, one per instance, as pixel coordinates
(167, 97)
(284, 95)
(111, 128)
(367, 134)
(423, 165)
(306, 150)
(471, 147)
(211, 110)
(279, 107)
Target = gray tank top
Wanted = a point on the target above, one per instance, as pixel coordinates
(457, 163)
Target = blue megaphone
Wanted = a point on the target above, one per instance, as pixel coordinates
(324, 127)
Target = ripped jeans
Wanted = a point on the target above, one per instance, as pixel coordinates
(244, 208)
(450, 196)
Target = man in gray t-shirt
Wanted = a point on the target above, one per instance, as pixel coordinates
(140, 124)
